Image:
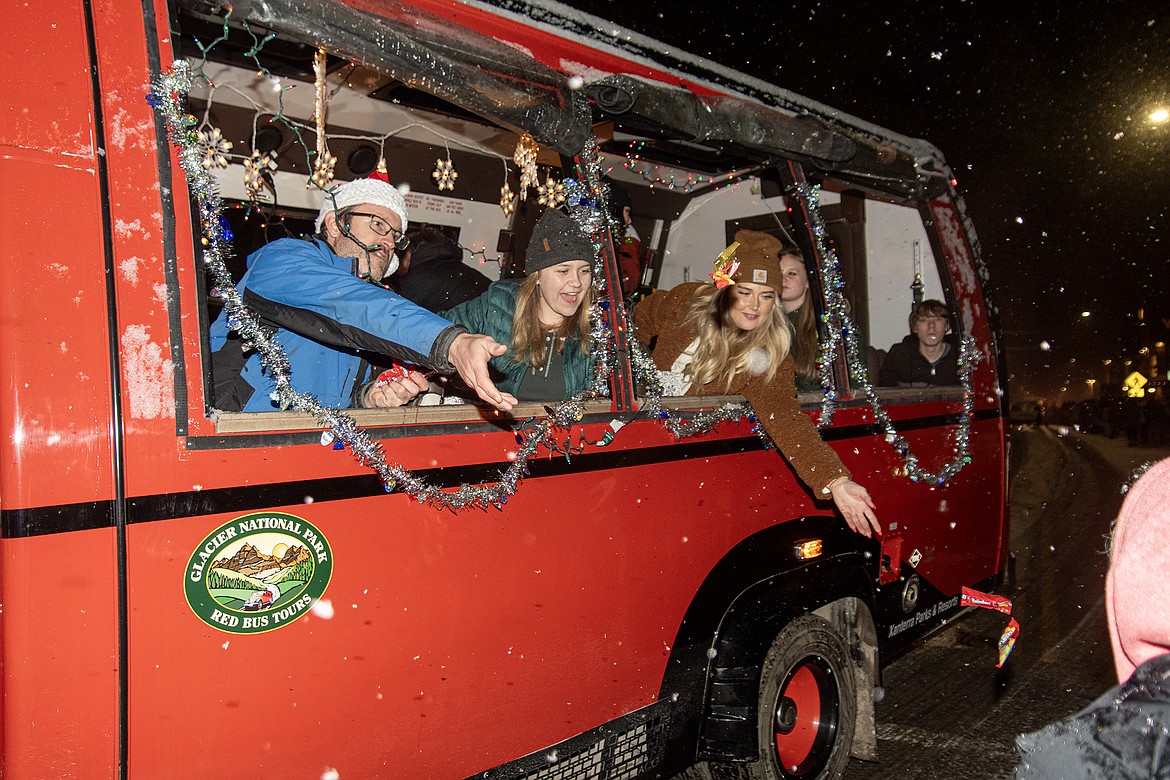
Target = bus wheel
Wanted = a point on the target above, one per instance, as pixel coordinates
(808, 704)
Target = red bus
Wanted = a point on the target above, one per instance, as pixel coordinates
(188, 592)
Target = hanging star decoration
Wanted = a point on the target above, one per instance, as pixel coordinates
(215, 148)
(254, 170)
(507, 200)
(323, 168)
(551, 193)
(444, 174)
(525, 159)
(325, 162)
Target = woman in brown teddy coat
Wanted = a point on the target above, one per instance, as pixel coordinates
(733, 338)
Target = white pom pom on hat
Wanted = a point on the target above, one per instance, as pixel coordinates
(375, 190)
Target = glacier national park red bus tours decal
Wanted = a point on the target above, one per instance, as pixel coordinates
(258, 572)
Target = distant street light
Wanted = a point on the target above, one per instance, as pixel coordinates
(1160, 116)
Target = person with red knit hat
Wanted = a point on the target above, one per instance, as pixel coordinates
(1125, 733)
(325, 301)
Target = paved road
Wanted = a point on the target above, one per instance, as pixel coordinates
(948, 712)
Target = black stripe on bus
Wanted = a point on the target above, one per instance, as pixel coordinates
(16, 523)
(463, 427)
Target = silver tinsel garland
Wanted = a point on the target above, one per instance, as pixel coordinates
(841, 330)
(584, 199)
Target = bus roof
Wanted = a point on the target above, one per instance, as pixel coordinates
(507, 62)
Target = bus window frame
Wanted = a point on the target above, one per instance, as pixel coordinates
(848, 388)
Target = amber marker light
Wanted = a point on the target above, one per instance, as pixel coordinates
(811, 548)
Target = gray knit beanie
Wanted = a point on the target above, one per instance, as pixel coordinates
(557, 238)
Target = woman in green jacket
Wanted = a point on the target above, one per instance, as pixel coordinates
(544, 318)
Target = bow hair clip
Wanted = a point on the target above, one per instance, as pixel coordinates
(725, 267)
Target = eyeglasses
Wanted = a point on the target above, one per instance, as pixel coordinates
(384, 228)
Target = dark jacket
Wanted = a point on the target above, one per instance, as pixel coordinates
(491, 313)
(906, 366)
(323, 315)
(438, 279)
(1123, 735)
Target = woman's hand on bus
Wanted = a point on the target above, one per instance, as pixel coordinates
(470, 353)
(857, 507)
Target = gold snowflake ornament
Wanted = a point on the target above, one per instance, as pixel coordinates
(525, 158)
(507, 200)
(254, 173)
(323, 169)
(552, 193)
(215, 148)
(444, 174)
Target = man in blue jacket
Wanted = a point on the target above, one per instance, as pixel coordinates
(318, 297)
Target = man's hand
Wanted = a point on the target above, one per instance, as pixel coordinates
(857, 507)
(470, 353)
(387, 394)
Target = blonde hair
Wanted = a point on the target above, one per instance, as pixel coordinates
(528, 335)
(725, 350)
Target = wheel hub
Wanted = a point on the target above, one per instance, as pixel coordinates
(785, 716)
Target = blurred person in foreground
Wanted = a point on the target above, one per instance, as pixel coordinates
(1125, 733)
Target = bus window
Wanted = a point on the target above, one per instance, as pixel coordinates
(447, 163)
(888, 263)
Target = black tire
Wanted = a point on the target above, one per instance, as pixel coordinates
(807, 704)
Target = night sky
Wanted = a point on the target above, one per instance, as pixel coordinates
(1041, 111)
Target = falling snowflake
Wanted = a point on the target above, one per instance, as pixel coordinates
(507, 200)
(552, 193)
(323, 169)
(215, 148)
(444, 174)
(254, 170)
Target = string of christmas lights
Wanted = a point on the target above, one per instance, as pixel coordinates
(649, 173)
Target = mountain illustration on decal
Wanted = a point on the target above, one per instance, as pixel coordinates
(249, 580)
(250, 562)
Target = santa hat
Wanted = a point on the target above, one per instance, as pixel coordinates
(1137, 590)
(376, 190)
